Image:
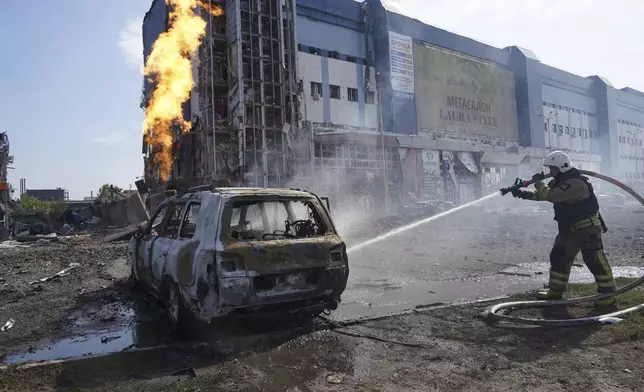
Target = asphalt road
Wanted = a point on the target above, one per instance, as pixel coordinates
(497, 248)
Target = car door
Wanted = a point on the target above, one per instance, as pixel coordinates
(145, 244)
(167, 236)
(185, 247)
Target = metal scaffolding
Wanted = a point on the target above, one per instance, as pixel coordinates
(247, 96)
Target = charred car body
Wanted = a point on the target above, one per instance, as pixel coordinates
(209, 253)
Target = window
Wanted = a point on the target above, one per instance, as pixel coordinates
(568, 130)
(334, 92)
(561, 129)
(261, 220)
(334, 55)
(174, 221)
(300, 86)
(371, 97)
(158, 220)
(554, 128)
(352, 94)
(165, 225)
(315, 51)
(545, 127)
(316, 89)
(189, 224)
(352, 59)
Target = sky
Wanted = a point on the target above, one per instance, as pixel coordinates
(70, 72)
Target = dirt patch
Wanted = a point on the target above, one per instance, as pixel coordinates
(457, 351)
(93, 288)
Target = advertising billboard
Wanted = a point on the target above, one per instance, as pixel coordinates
(460, 94)
(401, 57)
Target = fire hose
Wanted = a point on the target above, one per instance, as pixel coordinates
(493, 313)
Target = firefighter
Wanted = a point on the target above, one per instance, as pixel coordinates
(580, 226)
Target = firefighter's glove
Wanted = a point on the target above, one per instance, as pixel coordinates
(537, 180)
(525, 195)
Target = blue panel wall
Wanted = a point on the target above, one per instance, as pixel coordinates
(342, 12)
(607, 123)
(571, 99)
(527, 84)
(630, 106)
(433, 35)
(331, 37)
(361, 93)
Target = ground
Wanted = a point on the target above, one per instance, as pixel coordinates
(456, 351)
(496, 248)
(92, 292)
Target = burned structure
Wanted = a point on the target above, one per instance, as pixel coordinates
(243, 106)
(5, 189)
(5, 158)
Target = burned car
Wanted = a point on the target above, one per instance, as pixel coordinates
(210, 253)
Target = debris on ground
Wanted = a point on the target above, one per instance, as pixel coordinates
(57, 274)
(8, 325)
(334, 378)
(108, 339)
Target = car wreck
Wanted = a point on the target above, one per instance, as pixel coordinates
(213, 252)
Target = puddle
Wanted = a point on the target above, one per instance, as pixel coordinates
(77, 347)
(126, 328)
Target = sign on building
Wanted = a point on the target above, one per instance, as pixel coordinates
(464, 95)
(401, 57)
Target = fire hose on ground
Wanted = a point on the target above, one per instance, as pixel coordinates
(493, 313)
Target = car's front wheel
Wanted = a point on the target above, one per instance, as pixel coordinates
(174, 306)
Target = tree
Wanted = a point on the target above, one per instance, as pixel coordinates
(108, 191)
(32, 205)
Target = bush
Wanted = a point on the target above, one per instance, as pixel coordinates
(33, 205)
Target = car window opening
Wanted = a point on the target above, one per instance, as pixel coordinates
(261, 220)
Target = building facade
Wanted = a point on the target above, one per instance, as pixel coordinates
(365, 101)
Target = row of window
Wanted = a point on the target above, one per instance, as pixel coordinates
(330, 54)
(630, 141)
(633, 176)
(631, 158)
(572, 131)
(629, 123)
(335, 92)
(567, 109)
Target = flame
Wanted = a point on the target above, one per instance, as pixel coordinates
(170, 65)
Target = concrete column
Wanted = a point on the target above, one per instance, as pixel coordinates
(605, 96)
(529, 97)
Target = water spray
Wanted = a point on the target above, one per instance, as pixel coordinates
(493, 314)
(413, 225)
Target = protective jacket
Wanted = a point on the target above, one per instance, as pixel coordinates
(567, 213)
(573, 199)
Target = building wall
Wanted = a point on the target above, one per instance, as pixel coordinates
(337, 81)
(322, 78)
(629, 111)
(154, 23)
(47, 194)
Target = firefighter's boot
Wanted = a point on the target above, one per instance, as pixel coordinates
(549, 295)
(605, 302)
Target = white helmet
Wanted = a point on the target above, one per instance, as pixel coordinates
(558, 159)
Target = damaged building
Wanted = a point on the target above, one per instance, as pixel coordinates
(363, 104)
(5, 188)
